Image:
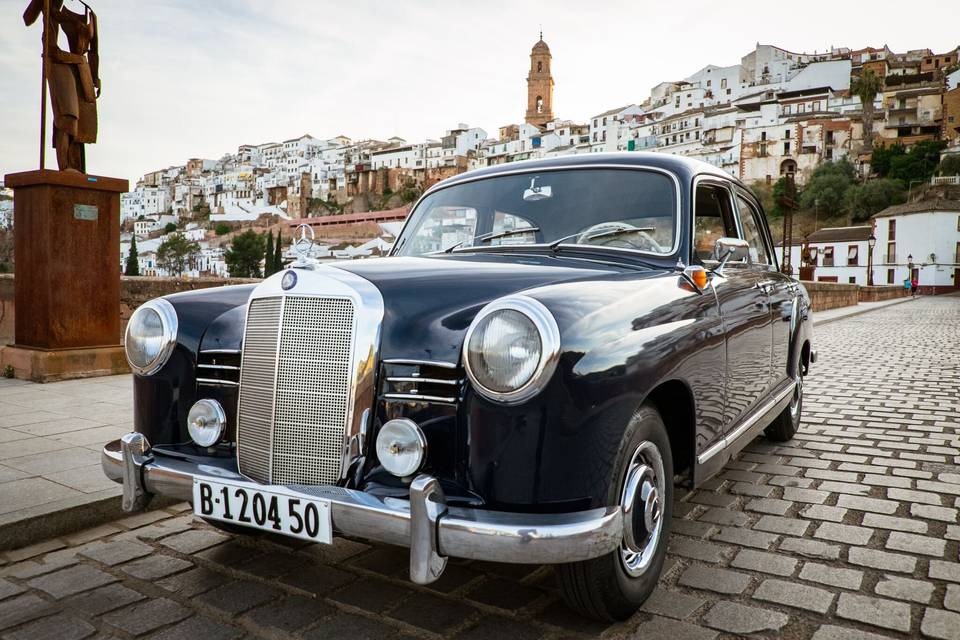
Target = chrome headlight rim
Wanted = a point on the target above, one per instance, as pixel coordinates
(170, 324)
(546, 326)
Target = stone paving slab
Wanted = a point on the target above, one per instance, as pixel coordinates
(50, 441)
(847, 531)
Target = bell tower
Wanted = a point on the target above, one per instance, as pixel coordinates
(539, 85)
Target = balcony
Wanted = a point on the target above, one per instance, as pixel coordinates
(901, 111)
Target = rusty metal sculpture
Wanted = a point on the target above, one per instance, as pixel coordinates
(72, 77)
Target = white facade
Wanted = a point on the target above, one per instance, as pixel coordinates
(144, 201)
(843, 261)
(931, 238)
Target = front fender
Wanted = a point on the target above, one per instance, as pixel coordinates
(621, 339)
(162, 400)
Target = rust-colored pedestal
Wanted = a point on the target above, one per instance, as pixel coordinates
(67, 276)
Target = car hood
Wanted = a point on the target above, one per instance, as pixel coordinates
(430, 302)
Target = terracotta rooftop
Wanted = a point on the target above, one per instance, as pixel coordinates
(923, 206)
(840, 234)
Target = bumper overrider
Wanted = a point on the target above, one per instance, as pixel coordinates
(432, 530)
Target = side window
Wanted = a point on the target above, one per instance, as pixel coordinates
(752, 233)
(713, 218)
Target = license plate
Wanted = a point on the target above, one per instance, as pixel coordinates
(308, 519)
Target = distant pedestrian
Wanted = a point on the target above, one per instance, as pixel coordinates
(914, 287)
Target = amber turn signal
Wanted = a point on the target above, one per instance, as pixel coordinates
(698, 275)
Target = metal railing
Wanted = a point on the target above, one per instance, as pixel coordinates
(945, 180)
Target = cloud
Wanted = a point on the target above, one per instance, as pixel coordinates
(196, 79)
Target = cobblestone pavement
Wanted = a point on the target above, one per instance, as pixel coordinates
(849, 531)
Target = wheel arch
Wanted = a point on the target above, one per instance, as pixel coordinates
(675, 402)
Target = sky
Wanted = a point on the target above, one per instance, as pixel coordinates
(187, 78)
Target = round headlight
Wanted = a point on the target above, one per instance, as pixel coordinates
(401, 447)
(151, 335)
(511, 348)
(206, 422)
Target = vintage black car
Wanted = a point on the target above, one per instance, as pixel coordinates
(550, 347)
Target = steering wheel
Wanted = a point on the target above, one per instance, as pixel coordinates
(632, 237)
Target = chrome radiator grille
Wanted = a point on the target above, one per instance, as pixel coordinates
(295, 389)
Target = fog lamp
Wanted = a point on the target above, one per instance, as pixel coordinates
(401, 447)
(206, 422)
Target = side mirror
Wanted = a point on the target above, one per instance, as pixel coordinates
(731, 249)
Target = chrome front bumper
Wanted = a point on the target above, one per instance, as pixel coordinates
(425, 523)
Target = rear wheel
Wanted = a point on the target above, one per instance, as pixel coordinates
(785, 425)
(614, 586)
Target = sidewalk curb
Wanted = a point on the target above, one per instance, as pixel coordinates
(858, 312)
(43, 522)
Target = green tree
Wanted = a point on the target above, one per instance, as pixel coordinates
(222, 229)
(132, 267)
(873, 196)
(176, 254)
(883, 156)
(244, 255)
(950, 165)
(917, 164)
(278, 254)
(268, 266)
(866, 87)
(169, 228)
(827, 186)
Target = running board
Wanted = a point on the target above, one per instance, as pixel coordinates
(755, 419)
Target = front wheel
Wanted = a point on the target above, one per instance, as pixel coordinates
(614, 586)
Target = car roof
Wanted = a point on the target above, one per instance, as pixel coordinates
(684, 168)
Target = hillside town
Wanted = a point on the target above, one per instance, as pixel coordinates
(776, 113)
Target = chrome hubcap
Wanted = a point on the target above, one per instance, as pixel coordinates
(640, 500)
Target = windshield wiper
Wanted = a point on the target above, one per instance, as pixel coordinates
(493, 235)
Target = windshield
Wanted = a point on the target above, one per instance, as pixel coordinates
(622, 208)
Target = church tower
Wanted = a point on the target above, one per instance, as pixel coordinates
(540, 85)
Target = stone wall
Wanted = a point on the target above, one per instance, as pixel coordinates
(830, 295)
(882, 292)
(133, 293)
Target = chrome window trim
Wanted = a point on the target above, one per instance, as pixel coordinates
(717, 181)
(546, 325)
(762, 226)
(170, 324)
(678, 227)
(328, 281)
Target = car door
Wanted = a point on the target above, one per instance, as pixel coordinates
(744, 306)
(781, 290)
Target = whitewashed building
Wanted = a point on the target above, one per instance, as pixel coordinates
(922, 236)
(840, 254)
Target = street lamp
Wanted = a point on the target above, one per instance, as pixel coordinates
(871, 243)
